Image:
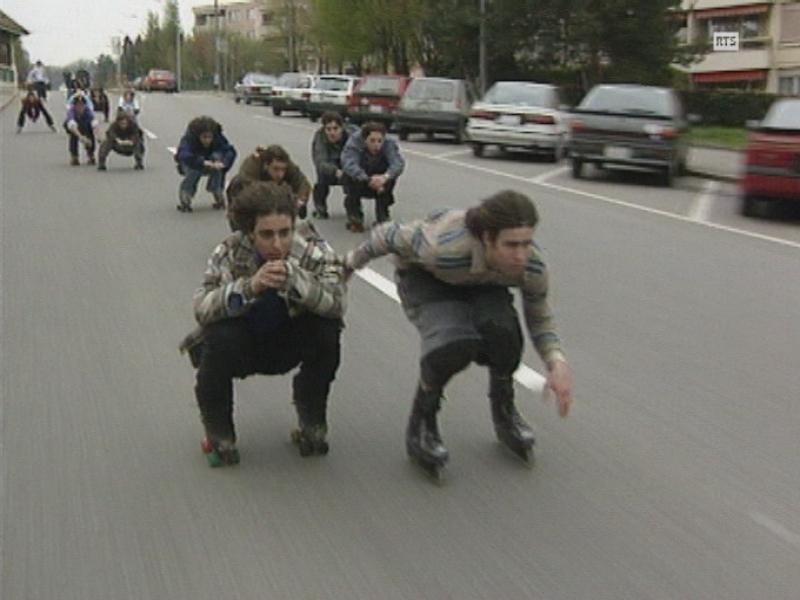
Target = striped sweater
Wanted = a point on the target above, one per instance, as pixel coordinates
(443, 246)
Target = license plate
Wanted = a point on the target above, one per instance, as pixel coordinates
(376, 109)
(618, 152)
(509, 119)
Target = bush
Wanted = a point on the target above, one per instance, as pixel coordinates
(729, 108)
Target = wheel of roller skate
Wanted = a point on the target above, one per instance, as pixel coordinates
(212, 456)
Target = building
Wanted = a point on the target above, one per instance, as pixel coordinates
(253, 20)
(768, 58)
(10, 31)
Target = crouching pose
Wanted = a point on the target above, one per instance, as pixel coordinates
(32, 107)
(125, 138)
(82, 128)
(272, 299)
(453, 274)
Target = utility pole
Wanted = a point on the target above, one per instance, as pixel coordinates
(217, 76)
(178, 85)
(482, 48)
(291, 35)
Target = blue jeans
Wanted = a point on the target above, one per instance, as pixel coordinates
(215, 183)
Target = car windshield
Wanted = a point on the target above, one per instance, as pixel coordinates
(421, 89)
(629, 100)
(336, 85)
(380, 86)
(784, 114)
(521, 94)
(162, 74)
(258, 78)
(289, 79)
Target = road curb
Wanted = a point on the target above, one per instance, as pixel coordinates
(713, 176)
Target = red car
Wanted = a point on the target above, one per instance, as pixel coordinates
(377, 98)
(159, 79)
(772, 160)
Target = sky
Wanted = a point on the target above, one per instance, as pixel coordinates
(63, 31)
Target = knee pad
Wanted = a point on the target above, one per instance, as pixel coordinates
(439, 365)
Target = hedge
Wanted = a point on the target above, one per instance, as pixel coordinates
(728, 108)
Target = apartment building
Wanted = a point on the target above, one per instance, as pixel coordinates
(10, 31)
(253, 20)
(768, 58)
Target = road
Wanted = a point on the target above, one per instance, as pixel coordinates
(675, 477)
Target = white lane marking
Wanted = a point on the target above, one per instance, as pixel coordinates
(598, 197)
(701, 207)
(453, 153)
(547, 175)
(788, 536)
(525, 376)
(150, 134)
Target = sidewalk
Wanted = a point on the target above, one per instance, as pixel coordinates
(714, 163)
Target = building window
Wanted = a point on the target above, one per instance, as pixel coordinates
(266, 18)
(786, 86)
(201, 20)
(748, 26)
(790, 23)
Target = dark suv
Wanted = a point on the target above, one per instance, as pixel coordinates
(629, 126)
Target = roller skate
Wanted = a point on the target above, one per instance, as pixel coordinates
(311, 441)
(510, 427)
(220, 453)
(219, 201)
(423, 442)
(185, 202)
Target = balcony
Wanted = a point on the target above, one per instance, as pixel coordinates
(744, 59)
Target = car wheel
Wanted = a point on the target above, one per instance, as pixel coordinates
(248, 101)
(755, 207)
(429, 136)
(237, 99)
(477, 150)
(276, 111)
(577, 168)
(459, 135)
(402, 134)
(668, 175)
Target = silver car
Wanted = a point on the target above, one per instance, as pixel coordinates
(331, 93)
(519, 114)
(433, 105)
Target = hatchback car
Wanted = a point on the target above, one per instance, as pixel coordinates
(159, 79)
(772, 159)
(254, 87)
(519, 114)
(376, 98)
(630, 126)
(434, 105)
(330, 93)
(291, 92)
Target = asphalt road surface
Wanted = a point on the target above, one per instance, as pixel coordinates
(676, 477)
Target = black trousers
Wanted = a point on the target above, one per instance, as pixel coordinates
(136, 150)
(231, 349)
(33, 115)
(355, 190)
(86, 130)
(322, 188)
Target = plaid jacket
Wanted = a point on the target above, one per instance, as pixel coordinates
(315, 280)
(442, 245)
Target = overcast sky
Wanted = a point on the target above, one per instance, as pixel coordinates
(63, 31)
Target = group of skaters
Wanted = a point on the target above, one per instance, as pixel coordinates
(273, 296)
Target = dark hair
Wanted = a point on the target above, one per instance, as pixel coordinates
(123, 116)
(503, 210)
(371, 126)
(332, 117)
(275, 152)
(201, 125)
(261, 198)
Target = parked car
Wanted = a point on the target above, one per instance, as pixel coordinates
(254, 87)
(376, 98)
(291, 92)
(521, 115)
(330, 93)
(435, 105)
(772, 158)
(137, 83)
(160, 79)
(630, 126)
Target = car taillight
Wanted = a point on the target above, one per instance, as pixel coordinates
(306, 95)
(577, 126)
(660, 131)
(539, 119)
(364, 102)
(483, 114)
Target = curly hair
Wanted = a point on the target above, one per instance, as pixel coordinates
(274, 152)
(201, 125)
(504, 210)
(258, 199)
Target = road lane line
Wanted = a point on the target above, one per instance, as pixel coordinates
(172, 150)
(701, 207)
(788, 536)
(545, 176)
(593, 196)
(150, 134)
(524, 375)
(453, 153)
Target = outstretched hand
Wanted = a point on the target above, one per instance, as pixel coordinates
(559, 381)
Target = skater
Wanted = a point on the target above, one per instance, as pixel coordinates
(100, 102)
(125, 138)
(32, 107)
(371, 163)
(37, 78)
(453, 273)
(203, 151)
(272, 299)
(130, 104)
(326, 151)
(81, 126)
(271, 164)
